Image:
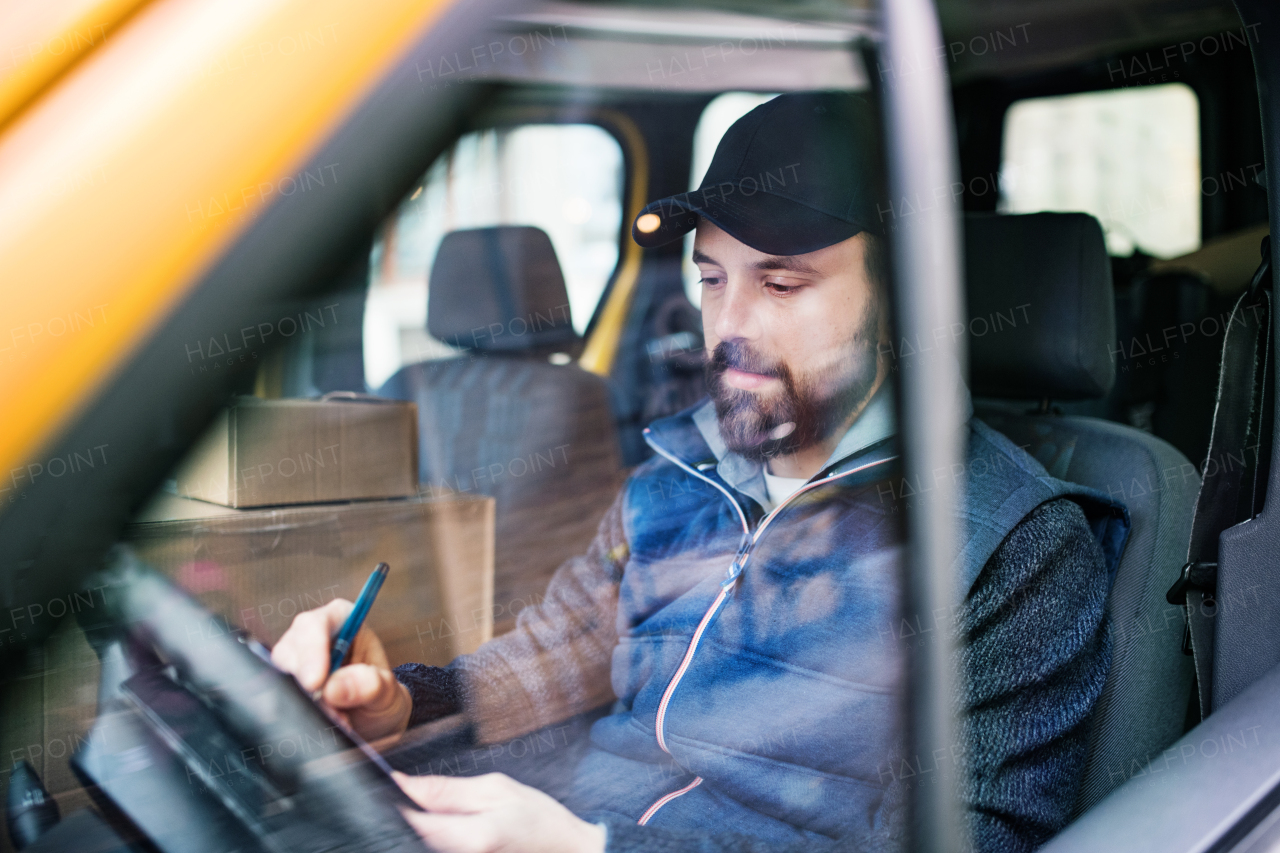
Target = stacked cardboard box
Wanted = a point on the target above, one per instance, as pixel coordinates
(259, 568)
(277, 452)
(341, 477)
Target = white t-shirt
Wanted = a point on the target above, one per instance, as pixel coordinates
(780, 488)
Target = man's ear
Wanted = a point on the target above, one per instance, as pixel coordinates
(875, 258)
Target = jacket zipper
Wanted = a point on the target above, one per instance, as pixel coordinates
(653, 809)
(749, 539)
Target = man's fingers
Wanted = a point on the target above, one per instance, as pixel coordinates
(494, 814)
(361, 686)
(285, 656)
(437, 793)
(304, 648)
(447, 833)
(367, 648)
(456, 794)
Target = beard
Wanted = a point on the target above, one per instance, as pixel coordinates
(808, 408)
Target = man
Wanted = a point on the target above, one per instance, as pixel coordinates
(740, 603)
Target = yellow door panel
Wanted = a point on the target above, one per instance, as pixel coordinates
(130, 176)
(602, 346)
(40, 41)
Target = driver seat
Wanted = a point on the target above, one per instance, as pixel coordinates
(1042, 331)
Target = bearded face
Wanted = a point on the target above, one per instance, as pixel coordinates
(793, 340)
(807, 408)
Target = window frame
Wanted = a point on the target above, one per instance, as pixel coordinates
(598, 354)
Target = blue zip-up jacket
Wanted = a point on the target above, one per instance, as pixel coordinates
(756, 659)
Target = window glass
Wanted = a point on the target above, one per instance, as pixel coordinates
(1129, 157)
(563, 178)
(728, 596)
(716, 119)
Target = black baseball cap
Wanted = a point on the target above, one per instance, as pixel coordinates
(796, 174)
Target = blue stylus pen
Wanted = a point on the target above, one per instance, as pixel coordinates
(351, 627)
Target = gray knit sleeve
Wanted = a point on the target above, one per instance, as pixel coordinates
(1035, 656)
(436, 691)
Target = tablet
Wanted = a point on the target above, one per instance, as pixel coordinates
(209, 747)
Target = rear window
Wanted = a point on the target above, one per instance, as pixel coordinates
(563, 178)
(1130, 157)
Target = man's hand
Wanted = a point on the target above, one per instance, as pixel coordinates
(494, 814)
(365, 691)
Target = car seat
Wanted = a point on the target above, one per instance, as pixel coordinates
(1042, 329)
(499, 419)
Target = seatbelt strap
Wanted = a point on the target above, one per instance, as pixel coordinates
(1237, 424)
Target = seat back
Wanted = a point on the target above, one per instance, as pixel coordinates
(500, 420)
(499, 289)
(1042, 285)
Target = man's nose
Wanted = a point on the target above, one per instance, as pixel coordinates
(737, 316)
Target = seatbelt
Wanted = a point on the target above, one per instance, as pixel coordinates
(1238, 424)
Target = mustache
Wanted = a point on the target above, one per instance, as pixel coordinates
(739, 356)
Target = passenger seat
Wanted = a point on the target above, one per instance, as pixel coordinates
(1042, 329)
(499, 419)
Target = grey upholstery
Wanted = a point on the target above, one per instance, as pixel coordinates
(1043, 311)
(539, 438)
(1144, 702)
(499, 289)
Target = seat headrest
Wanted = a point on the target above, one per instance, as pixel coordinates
(498, 289)
(1041, 306)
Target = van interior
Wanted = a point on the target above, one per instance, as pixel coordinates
(479, 265)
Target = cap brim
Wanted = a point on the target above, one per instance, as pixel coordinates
(764, 221)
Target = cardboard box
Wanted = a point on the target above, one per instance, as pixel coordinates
(281, 452)
(259, 568)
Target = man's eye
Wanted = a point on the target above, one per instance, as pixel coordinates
(711, 280)
(781, 289)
